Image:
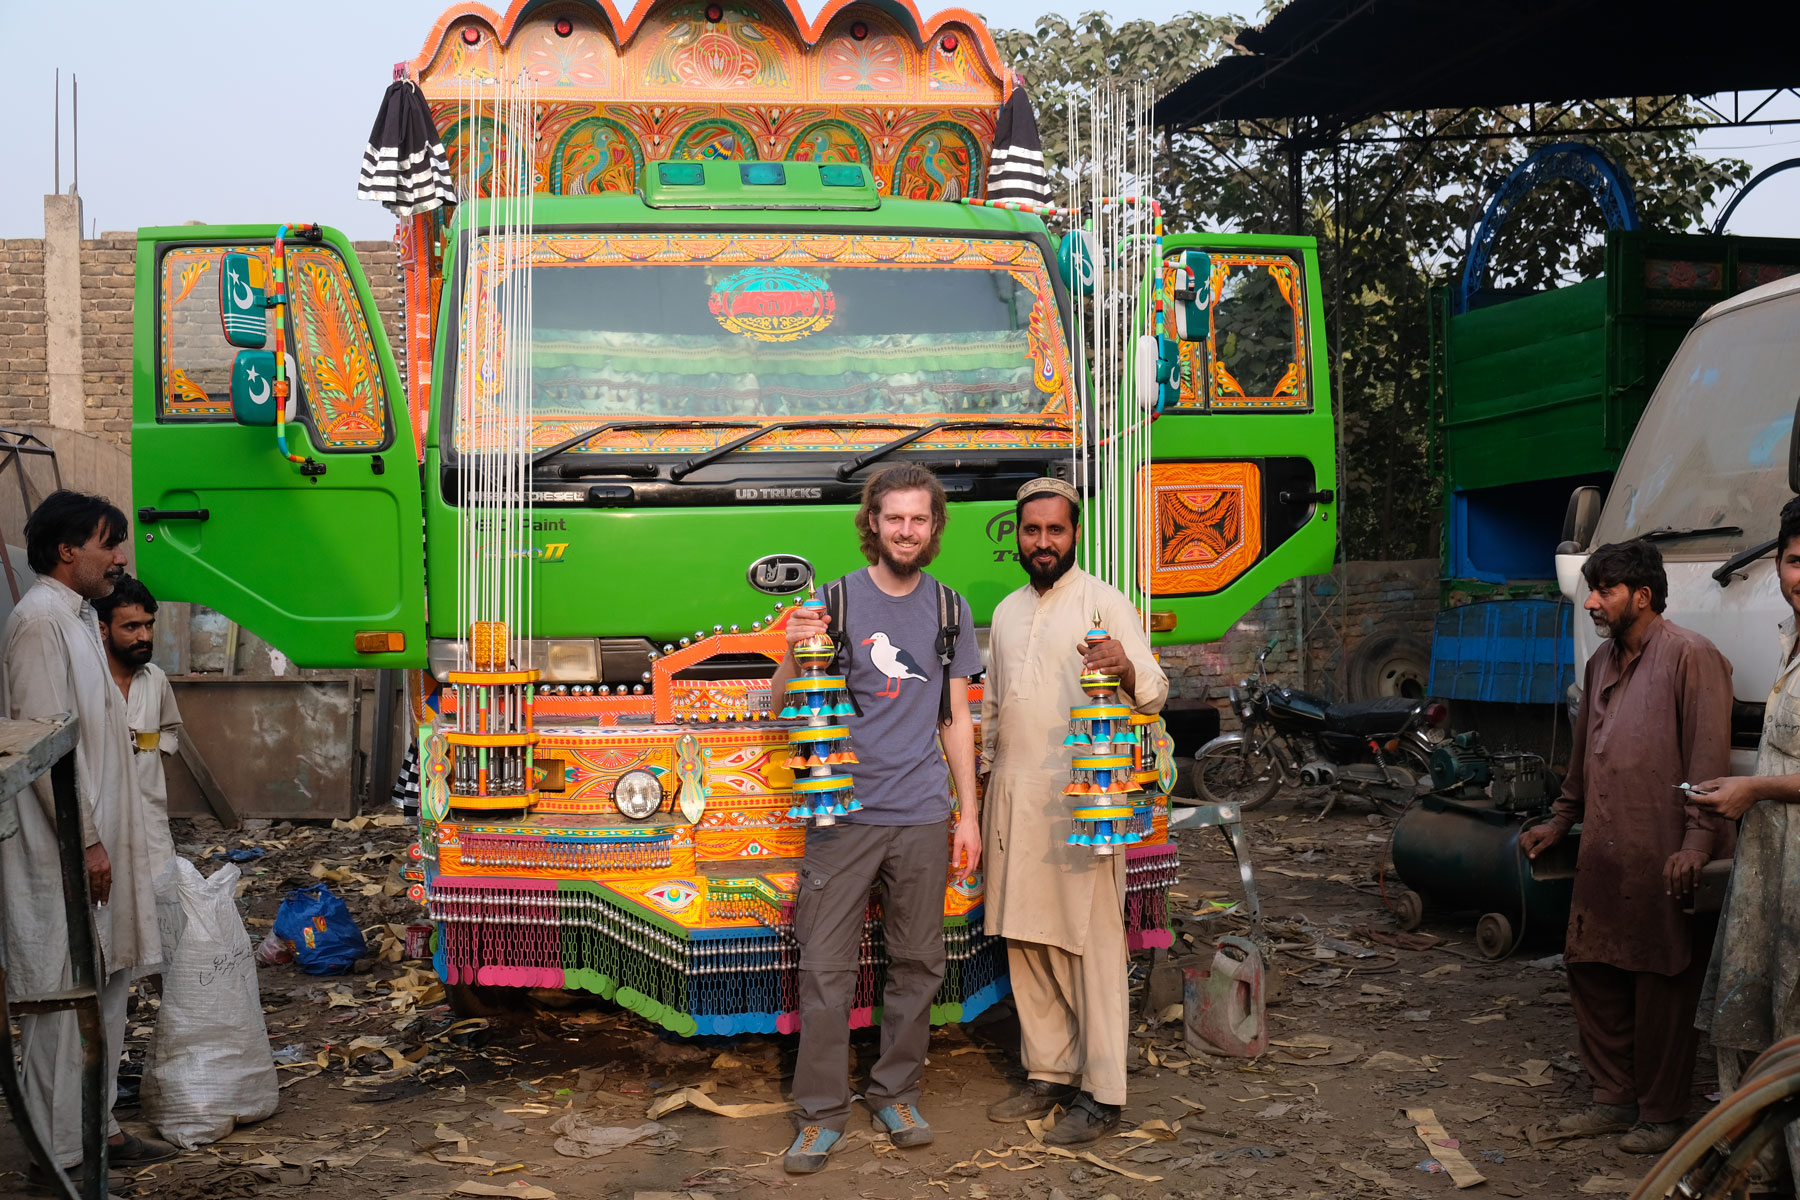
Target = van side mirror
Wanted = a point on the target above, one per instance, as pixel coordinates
(253, 387)
(242, 309)
(1582, 516)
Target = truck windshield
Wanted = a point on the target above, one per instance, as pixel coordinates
(694, 327)
(1711, 453)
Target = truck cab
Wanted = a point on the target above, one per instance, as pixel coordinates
(1704, 478)
(719, 318)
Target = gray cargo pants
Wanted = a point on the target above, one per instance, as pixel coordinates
(842, 863)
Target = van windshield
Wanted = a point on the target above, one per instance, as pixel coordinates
(1712, 448)
(770, 326)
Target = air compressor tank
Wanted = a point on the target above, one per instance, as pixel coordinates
(1462, 854)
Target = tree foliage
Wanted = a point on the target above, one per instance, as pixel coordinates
(1393, 218)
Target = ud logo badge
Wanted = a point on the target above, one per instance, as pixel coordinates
(780, 574)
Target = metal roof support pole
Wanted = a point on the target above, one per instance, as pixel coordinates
(1294, 185)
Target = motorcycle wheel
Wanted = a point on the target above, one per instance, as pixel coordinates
(1415, 762)
(1242, 775)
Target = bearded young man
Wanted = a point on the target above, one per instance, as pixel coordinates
(128, 627)
(900, 838)
(1655, 713)
(56, 664)
(1060, 907)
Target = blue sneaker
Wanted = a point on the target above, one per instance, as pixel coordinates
(812, 1146)
(904, 1125)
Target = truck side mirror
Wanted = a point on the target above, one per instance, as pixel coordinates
(242, 309)
(1190, 296)
(1794, 453)
(1582, 516)
(253, 387)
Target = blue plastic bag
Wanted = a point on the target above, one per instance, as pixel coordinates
(316, 921)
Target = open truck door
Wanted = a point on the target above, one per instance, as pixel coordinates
(305, 531)
(1240, 495)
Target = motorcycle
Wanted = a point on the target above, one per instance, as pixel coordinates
(1375, 748)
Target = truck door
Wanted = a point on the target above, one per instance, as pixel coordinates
(324, 560)
(1240, 493)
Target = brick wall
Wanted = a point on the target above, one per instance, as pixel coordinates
(107, 289)
(24, 387)
(106, 304)
(1364, 601)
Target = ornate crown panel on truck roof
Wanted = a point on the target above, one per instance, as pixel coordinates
(914, 99)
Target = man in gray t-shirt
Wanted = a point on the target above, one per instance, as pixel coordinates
(902, 837)
(891, 650)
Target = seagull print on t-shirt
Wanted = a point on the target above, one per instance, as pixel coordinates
(892, 662)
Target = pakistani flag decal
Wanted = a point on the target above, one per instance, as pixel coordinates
(253, 387)
(241, 305)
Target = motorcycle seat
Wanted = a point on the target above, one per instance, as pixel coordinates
(1370, 717)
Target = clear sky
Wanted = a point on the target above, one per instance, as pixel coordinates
(218, 111)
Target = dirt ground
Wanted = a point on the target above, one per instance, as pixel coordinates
(387, 1094)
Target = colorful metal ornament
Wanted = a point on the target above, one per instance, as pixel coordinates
(822, 794)
(1102, 771)
(690, 768)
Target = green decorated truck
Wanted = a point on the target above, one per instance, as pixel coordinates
(751, 265)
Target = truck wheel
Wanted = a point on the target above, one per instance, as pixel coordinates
(1494, 936)
(1409, 910)
(1237, 775)
(1389, 664)
(480, 1000)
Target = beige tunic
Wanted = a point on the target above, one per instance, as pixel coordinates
(155, 732)
(55, 663)
(1039, 888)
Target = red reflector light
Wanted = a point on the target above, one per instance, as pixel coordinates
(1436, 713)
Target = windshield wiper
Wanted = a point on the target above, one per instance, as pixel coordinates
(1669, 535)
(683, 469)
(1743, 558)
(567, 444)
(846, 469)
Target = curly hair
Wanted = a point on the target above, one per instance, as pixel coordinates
(901, 477)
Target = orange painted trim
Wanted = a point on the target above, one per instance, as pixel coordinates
(624, 27)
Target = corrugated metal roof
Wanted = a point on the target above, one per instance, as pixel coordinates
(1342, 61)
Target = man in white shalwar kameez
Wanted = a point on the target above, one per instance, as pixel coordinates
(1060, 907)
(128, 627)
(55, 664)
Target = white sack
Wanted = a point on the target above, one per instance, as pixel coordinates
(210, 1066)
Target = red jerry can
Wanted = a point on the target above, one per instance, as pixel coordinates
(1222, 1003)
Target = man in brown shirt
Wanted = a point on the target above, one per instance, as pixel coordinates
(1655, 715)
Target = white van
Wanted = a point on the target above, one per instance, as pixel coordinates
(1704, 478)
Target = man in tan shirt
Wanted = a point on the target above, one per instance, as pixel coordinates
(1655, 715)
(1060, 907)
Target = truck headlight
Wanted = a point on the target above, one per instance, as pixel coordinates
(637, 795)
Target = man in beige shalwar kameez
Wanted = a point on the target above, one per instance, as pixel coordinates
(55, 664)
(1060, 907)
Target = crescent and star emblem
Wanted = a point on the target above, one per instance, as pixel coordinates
(255, 377)
(241, 295)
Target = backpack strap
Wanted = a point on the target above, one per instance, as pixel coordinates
(949, 633)
(837, 606)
